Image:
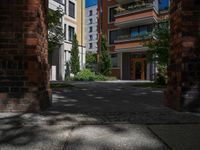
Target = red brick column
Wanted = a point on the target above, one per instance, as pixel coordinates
(183, 92)
(24, 76)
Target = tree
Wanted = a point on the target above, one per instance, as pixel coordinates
(91, 61)
(90, 58)
(105, 58)
(55, 31)
(74, 61)
(159, 44)
(158, 51)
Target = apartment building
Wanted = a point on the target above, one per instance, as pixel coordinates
(126, 23)
(73, 21)
(91, 29)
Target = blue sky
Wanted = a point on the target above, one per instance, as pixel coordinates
(163, 4)
(90, 3)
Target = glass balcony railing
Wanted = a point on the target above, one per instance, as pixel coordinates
(129, 37)
(133, 8)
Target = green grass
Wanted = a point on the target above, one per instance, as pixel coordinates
(60, 85)
(149, 85)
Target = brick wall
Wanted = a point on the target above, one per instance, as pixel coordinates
(24, 76)
(183, 92)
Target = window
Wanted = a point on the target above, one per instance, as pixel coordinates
(143, 30)
(91, 37)
(90, 46)
(71, 33)
(112, 13)
(114, 59)
(112, 36)
(65, 29)
(90, 13)
(134, 33)
(71, 9)
(90, 21)
(91, 29)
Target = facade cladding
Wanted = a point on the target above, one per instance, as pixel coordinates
(73, 21)
(126, 24)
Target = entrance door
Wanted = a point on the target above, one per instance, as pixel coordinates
(137, 69)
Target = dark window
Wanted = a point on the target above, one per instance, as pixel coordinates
(112, 36)
(114, 59)
(90, 46)
(112, 13)
(90, 21)
(71, 9)
(91, 29)
(65, 29)
(71, 33)
(91, 37)
(91, 12)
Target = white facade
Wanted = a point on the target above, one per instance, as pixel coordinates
(91, 29)
(61, 56)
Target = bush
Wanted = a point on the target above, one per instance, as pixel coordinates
(161, 77)
(85, 75)
(88, 75)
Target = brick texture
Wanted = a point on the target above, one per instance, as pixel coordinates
(24, 76)
(183, 92)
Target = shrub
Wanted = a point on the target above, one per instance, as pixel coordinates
(85, 75)
(161, 76)
(88, 75)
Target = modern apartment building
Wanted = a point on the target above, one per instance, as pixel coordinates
(126, 23)
(73, 21)
(91, 29)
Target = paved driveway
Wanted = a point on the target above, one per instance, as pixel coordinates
(102, 116)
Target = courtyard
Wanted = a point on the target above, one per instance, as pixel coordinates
(102, 116)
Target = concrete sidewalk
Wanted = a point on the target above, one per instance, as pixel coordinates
(100, 137)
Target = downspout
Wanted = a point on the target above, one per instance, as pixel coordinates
(81, 34)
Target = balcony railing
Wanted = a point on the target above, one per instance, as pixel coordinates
(133, 8)
(59, 1)
(128, 37)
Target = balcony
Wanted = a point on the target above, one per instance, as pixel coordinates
(129, 38)
(131, 43)
(55, 4)
(135, 15)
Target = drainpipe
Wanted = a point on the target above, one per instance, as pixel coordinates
(81, 34)
(100, 32)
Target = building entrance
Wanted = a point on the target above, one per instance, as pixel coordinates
(137, 69)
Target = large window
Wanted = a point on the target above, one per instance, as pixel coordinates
(112, 13)
(71, 33)
(71, 9)
(114, 59)
(112, 36)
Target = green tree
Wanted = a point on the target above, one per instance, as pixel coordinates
(159, 44)
(74, 61)
(90, 58)
(55, 31)
(105, 58)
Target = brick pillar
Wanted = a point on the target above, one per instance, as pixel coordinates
(24, 76)
(183, 92)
